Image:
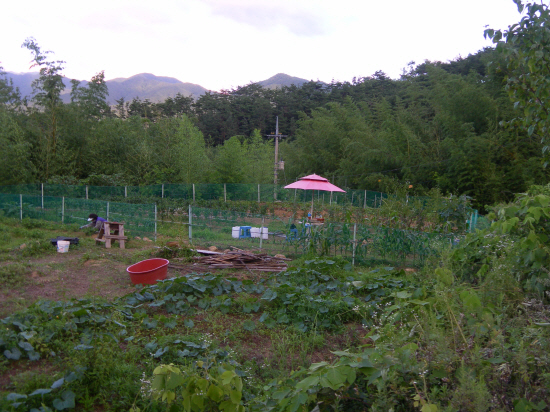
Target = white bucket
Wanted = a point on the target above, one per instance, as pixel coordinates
(264, 232)
(63, 246)
(235, 232)
(254, 232)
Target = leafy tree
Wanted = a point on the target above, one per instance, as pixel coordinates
(176, 106)
(9, 96)
(323, 138)
(47, 90)
(229, 161)
(195, 165)
(15, 153)
(92, 100)
(145, 109)
(216, 117)
(110, 146)
(526, 47)
(180, 150)
(259, 159)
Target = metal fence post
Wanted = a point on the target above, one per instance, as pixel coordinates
(224, 193)
(125, 191)
(107, 211)
(354, 244)
(190, 223)
(86, 192)
(42, 191)
(63, 210)
(262, 231)
(162, 194)
(365, 201)
(155, 222)
(193, 192)
(258, 193)
(21, 207)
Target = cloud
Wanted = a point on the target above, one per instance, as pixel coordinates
(264, 16)
(121, 20)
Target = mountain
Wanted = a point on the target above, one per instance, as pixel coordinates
(23, 81)
(280, 80)
(149, 86)
(145, 86)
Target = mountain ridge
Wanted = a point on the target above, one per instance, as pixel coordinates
(145, 86)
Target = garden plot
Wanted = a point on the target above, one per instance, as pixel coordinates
(320, 334)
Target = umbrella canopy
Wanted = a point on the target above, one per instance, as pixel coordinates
(314, 182)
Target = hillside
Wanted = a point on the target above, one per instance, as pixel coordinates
(280, 80)
(146, 86)
(149, 86)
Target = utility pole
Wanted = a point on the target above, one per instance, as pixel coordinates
(277, 166)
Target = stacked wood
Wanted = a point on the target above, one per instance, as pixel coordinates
(239, 258)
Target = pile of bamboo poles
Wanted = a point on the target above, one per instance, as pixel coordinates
(238, 258)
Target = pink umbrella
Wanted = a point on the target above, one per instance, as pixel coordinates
(314, 182)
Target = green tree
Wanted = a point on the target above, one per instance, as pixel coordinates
(180, 153)
(229, 161)
(323, 139)
(526, 48)
(92, 100)
(47, 90)
(195, 165)
(15, 153)
(177, 105)
(259, 159)
(10, 97)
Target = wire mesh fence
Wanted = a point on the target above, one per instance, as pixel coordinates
(358, 243)
(139, 219)
(201, 192)
(229, 228)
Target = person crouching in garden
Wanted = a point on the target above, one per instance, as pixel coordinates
(95, 222)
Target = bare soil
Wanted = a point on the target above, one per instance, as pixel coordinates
(63, 276)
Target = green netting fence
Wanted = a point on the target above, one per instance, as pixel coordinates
(358, 243)
(202, 191)
(138, 219)
(226, 228)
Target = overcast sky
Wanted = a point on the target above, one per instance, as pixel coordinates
(221, 44)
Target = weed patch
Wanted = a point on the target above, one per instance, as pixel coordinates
(13, 275)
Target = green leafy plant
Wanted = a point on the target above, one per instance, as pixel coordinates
(218, 388)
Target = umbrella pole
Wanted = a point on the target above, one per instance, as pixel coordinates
(312, 194)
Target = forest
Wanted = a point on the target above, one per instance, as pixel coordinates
(444, 125)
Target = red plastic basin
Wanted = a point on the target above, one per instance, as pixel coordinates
(148, 271)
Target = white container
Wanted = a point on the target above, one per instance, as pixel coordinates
(235, 231)
(263, 232)
(63, 246)
(255, 232)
